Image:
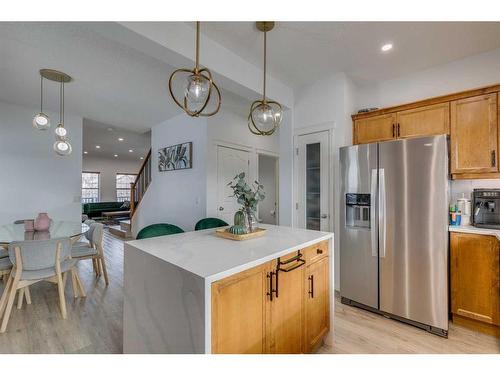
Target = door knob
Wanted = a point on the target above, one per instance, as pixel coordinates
(221, 208)
(324, 216)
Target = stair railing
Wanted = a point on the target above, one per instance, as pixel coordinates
(140, 185)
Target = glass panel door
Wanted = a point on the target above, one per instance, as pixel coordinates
(313, 186)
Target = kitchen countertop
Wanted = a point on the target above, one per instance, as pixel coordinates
(474, 230)
(213, 258)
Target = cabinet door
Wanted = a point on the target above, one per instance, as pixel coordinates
(287, 310)
(424, 121)
(239, 312)
(317, 303)
(474, 135)
(475, 290)
(375, 129)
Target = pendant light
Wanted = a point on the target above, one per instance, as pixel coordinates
(61, 146)
(265, 115)
(41, 121)
(199, 87)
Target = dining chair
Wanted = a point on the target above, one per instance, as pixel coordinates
(93, 250)
(35, 261)
(5, 269)
(209, 223)
(155, 230)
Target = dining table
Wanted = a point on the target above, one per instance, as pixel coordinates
(58, 229)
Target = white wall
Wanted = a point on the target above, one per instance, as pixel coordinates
(108, 169)
(268, 178)
(34, 178)
(176, 197)
(471, 72)
(328, 104)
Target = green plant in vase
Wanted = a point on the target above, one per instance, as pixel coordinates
(248, 196)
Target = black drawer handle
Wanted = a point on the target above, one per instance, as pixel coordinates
(319, 251)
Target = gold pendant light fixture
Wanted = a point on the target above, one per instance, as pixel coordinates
(265, 115)
(199, 87)
(62, 145)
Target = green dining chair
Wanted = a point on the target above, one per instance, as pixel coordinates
(155, 230)
(209, 223)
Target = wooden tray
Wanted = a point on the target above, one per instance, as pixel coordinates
(258, 232)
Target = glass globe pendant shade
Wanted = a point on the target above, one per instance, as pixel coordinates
(41, 121)
(197, 89)
(61, 131)
(62, 147)
(263, 117)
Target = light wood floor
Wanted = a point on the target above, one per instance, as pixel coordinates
(95, 324)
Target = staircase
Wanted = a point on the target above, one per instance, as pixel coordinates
(137, 190)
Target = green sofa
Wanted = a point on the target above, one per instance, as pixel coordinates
(96, 209)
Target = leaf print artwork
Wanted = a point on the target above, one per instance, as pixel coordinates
(175, 157)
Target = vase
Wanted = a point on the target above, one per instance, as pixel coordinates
(42, 222)
(251, 221)
(29, 225)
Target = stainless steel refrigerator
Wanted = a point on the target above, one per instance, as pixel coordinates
(394, 230)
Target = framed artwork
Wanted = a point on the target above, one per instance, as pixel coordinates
(173, 158)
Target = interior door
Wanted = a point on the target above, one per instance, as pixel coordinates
(230, 162)
(313, 181)
(268, 176)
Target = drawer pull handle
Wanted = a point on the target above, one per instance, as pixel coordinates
(311, 286)
(319, 251)
(270, 276)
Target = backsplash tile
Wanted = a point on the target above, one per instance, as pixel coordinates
(457, 187)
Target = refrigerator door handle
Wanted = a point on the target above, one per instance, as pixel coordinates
(381, 212)
(373, 212)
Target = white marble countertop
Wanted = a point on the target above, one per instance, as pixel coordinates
(474, 230)
(206, 255)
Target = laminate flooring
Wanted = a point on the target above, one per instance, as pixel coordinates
(95, 323)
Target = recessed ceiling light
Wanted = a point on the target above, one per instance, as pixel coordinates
(115, 155)
(97, 146)
(85, 152)
(130, 150)
(386, 47)
(110, 129)
(120, 139)
(141, 158)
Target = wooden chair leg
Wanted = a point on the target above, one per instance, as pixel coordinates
(10, 302)
(27, 294)
(79, 283)
(5, 294)
(62, 301)
(20, 299)
(96, 266)
(104, 270)
(73, 283)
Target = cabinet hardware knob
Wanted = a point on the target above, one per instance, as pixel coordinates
(221, 208)
(319, 251)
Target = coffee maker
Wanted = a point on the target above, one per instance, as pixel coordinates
(486, 204)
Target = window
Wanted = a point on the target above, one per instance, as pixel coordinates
(123, 182)
(90, 187)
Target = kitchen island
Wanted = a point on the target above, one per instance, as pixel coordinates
(195, 292)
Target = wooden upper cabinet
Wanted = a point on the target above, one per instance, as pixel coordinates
(424, 121)
(239, 312)
(317, 303)
(375, 129)
(475, 277)
(474, 141)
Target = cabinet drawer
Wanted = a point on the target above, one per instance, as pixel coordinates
(316, 252)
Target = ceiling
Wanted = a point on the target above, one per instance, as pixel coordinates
(302, 52)
(106, 136)
(113, 83)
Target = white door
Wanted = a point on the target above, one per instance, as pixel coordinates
(230, 162)
(268, 177)
(313, 205)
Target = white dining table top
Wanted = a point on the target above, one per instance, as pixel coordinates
(58, 229)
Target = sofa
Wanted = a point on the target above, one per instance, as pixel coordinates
(96, 209)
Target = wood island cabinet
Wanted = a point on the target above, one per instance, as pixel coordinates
(475, 282)
(270, 308)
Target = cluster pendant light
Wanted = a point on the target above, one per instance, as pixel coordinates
(265, 115)
(199, 87)
(41, 121)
